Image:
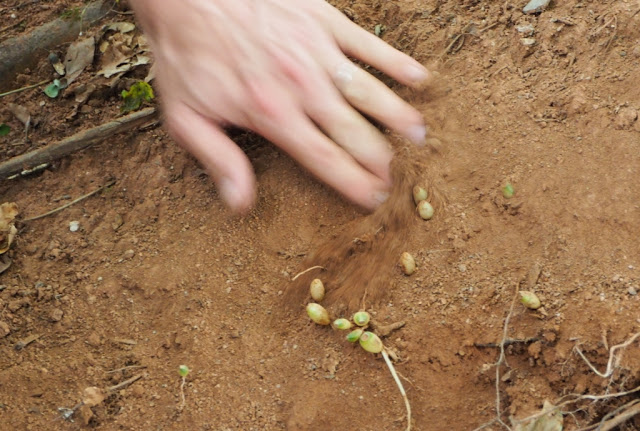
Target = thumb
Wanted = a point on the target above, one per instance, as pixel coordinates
(225, 162)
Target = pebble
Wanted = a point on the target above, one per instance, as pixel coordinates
(528, 41)
(625, 118)
(128, 254)
(526, 29)
(56, 315)
(632, 291)
(535, 6)
(74, 226)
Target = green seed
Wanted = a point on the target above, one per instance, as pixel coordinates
(183, 370)
(354, 335)
(361, 318)
(318, 314)
(419, 194)
(342, 324)
(530, 300)
(371, 342)
(507, 191)
(317, 290)
(408, 263)
(425, 210)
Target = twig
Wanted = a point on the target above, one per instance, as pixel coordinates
(125, 383)
(130, 367)
(385, 355)
(620, 419)
(75, 201)
(611, 416)
(307, 270)
(74, 143)
(612, 357)
(28, 87)
(508, 342)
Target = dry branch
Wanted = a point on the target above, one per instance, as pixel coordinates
(73, 143)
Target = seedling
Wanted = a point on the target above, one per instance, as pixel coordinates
(419, 194)
(408, 263)
(52, 90)
(508, 191)
(425, 210)
(379, 29)
(183, 370)
(138, 93)
(317, 290)
(4, 129)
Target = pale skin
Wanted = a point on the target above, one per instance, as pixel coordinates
(280, 68)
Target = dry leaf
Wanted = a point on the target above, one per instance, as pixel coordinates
(5, 263)
(551, 421)
(20, 113)
(122, 52)
(79, 56)
(121, 27)
(8, 212)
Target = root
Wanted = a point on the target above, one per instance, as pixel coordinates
(614, 359)
(307, 270)
(182, 404)
(385, 355)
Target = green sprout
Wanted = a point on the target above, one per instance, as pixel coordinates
(138, 93)
(183, 370)
(52, 90)
(4, 129)
(379, 29)
(508, 191)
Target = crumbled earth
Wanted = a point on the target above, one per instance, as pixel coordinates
(159, 274)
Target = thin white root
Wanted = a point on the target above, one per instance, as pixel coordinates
(184, 379)
(307, 270)
(385, 355)
(613, 359)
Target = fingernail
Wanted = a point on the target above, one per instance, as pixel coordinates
(230, 194)
(417, 74)
(417, 134)
(380, 197)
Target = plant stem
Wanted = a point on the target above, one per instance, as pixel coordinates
(385, 355)
(28, 87)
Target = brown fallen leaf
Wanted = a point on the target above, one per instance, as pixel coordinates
(20, 112)
(79, 56)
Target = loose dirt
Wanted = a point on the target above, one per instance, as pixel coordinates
(159, 274)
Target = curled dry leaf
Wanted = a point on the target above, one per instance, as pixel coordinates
(8, 213)
(79, 56)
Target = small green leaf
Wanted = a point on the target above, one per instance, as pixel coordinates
(4, 129)
(183, 370)
(139, 93)
(379, 29)
(52, 90)
(507, 191)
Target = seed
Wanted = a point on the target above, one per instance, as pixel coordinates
(354, 335)
(507, 191)
(317, 290)
(419, 194)
(361, 318)
(342, 324)
(318, 314)
(425, 210)
(408, 263)
(530, 300)
(371, 342)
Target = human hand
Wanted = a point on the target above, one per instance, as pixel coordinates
(280, 68)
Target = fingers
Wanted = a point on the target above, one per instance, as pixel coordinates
(365, 46)
(224, 161)
(372, 97)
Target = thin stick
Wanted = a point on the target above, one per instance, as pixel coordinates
(75, 201)
(74, 143)
(28, 87)
(307, 270)
(125, 383)
(612, 357)
(130, 367)
(385, 355)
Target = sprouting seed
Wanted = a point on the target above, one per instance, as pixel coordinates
(408, 263)
(425, 210)
(361, 318)
(183, 370)
(530, 300)
(419, 194)
(371, 342)
(354, 335)
(318, 314)
(508, 191)
(317, 290)
(342, 324)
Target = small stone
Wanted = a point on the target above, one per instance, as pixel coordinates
(636, 51)
(4, 329)
(93, 396)
(625, 118)
(128, 254)
(93, 339)
(526, 30)
(74, 226)
(462, 267)
(631, 290)
(56, 315)
(536, 6)
(528, 41)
